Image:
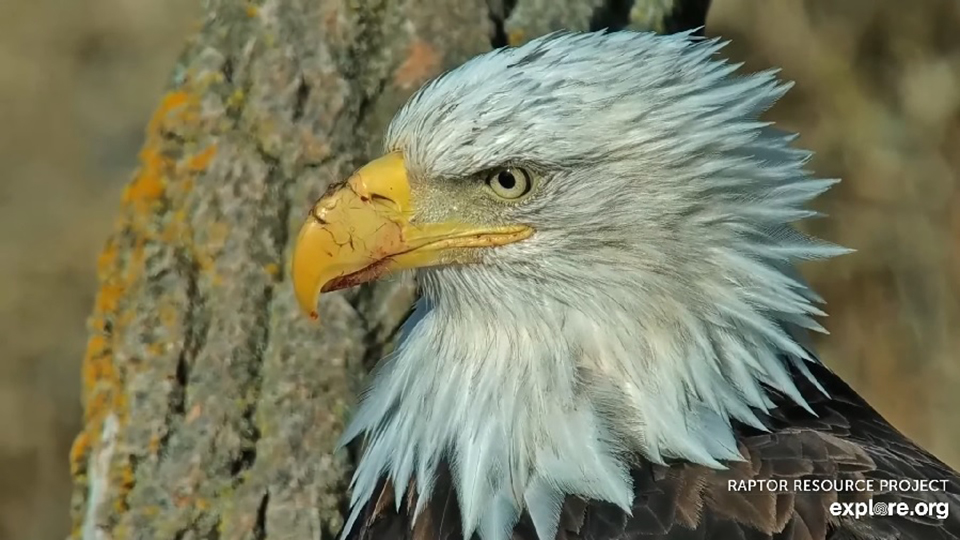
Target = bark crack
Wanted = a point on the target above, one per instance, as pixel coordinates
(194, 339)
(303, 92)
(498, 12)
(259, 341)
(687, 15)
(260, 527)
(612, 15)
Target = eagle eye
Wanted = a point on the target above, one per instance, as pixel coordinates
(510, 183)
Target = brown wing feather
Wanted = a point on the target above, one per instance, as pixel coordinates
(847, 440)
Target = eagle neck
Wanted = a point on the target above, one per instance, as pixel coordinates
(530, 402)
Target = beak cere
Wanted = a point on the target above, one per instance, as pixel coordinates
(362, 230)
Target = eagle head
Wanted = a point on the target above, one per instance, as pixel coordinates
(600, 226)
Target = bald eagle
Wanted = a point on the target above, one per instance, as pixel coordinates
(610, 338)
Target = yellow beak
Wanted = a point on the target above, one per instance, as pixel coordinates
(361, 230)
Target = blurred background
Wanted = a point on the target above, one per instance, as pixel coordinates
(877, 96)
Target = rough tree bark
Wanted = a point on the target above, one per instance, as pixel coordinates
(211, 405)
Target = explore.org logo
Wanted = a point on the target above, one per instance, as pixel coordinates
(870, 508)
(868, 487)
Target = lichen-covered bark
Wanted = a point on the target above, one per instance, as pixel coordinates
(212, 407)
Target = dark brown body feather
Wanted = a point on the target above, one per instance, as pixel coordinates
(847, 439)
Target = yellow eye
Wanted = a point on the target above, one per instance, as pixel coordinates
(511, 183)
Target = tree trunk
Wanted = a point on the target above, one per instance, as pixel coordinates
(212, 406)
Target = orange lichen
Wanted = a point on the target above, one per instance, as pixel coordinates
(201, 160)
(178, 107)
(96, 370)
(148, 186)
(100, 380)
(78, 453)
(106, 260)
(120, 269)
(124, 479)
(423, 62)
(515, 37)
(153, 446)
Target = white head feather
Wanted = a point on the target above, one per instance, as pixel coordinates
(652, 306)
